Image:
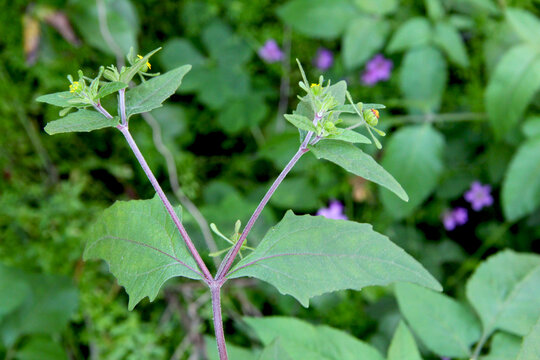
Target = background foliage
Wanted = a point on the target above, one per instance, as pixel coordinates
(462, 106)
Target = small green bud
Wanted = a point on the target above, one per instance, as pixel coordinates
(371, 116)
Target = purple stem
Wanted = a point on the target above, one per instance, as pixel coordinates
(166, 202)
(218, 321)
(230, 259)
(125, 131)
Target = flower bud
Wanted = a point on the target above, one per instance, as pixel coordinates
(371, 116)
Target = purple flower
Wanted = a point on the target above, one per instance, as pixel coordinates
(377, 69)
(454, 218)
(479, 196)
(333, 211)
(270, 51)
(324, 59)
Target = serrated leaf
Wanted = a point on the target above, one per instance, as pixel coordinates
(275, 351)
(525, 24)
(445, 326)
(413, 156)
(449, 40)
(511, 87)
(301, 122)
(505, 292)
(403, 346)
(306, 256)
(414, 32)
(109, 88)
(359, 163)
(318, 18)
(350, 136)
(423, 78)
(363, 38)
(503, 347)
(142, 246)
(530, 349)
(302, 340)
(47, 309)
(152, 93)
(521, 186)
(81, 121)
(63, 99)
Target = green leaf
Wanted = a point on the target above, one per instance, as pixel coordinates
(63, 99)
(142, 246)
(530, 349)
(40, 348)
(244, 113)
(445, 326)
(50, 305)
(318, 18)
(275, 351)
(511, 87)
(525, 24)
(435, 9)
(449, 40)
(377, 7)
(177, 52)
(306, 256)
(403, 346)
(521, 186)
(363, 38)
(301, 122)
(503, 347)
(531, 127)
(302, 340)
(152, 93)
(121, 21)
(414, 156)
(109, 88)
(81, 121)
(423, 78)
(505, 292)
(412, 33)
(227, 49)
(357, 162)
(13, 291)
(296, 193)
(350, 136)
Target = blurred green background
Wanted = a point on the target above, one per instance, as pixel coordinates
(462, 106)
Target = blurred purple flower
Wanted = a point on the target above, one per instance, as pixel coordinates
(454, 218)
(333, 211)
(324, 59)
(377, 69)
(270, 51)
(479, 196)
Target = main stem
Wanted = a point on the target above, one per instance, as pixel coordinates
(215, 289)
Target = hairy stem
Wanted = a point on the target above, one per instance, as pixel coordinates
(229, 259)
(218, 321)
(122, 105)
